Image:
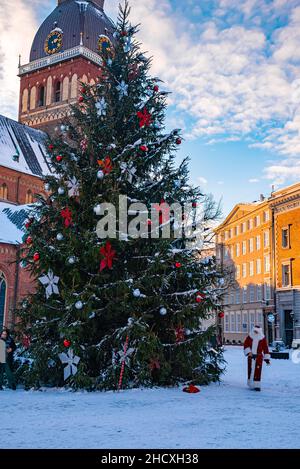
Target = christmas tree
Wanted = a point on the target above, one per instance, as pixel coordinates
(120, 304)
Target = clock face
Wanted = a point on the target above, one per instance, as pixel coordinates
(53, 42)
(104, 45)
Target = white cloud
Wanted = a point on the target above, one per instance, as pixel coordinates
(202, 180)
(253, 180)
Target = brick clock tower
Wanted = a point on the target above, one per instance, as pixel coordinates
(64, 52)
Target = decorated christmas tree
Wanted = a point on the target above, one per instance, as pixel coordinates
(120, 302)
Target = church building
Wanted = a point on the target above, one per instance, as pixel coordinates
(65, 52)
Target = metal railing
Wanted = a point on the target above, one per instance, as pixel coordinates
(56, 58)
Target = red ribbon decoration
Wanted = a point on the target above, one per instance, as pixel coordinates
(123, 363)
(144, 117)
(109, 255)
(67, 216)
(180, 335)
(106, 165)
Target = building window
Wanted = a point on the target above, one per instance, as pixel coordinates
(226, 299)
(57, 92)
(259, 318)
(231, 251)
(252, 319)
(3, 289)
(236, 231)
(226, 323)
(258, 266)
(232, 322)
(238, 322)
(266, 216)
(245, 322)
(285, 238)
(251, 268)
(286, 275)
(237, 249)
(42, 96)
(3, 192)
(244, 270)
(267, 264)
(29, 197)
(245, 296)
(257, 220)
(250, 224)
(238, 272)
(266, 239)
(251, 245)
(267, 291)
(259, 293)
(252, 293)
(244, 225)
(238, 296)
(232, 297)
(258, 242)
(244, 247)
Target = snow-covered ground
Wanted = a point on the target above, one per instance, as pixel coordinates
(222, 416)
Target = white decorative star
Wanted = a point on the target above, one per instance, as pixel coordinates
(73, 187)
(71, 361)
(51, 281)
(123, 89)
(101, 107)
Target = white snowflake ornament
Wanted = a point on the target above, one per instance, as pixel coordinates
(123, 89)
(101, 107)
(73, 187)
(128, 170)
(71, 361)
(50, 281)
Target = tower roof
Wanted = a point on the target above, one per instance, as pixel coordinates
(80, 21)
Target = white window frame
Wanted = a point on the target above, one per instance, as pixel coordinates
(251, 268)
(258, 266)
(232, 322)
(267, 264)
(238, 322)
(258, 242)
(227, 323)
(266, 239)
(237, 249)
(244, 247)
(244, 270)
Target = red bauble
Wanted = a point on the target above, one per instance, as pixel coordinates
(200, 297)
(80, 99)
(143, 148)
(29, 240)
(124, 33)
(221, 315)
(194, 205)
(149, 222)
(178, 265)
(156, 89)
(51, 147)
(67, 343)
(59, 158)
(178, 141)
(36, 257)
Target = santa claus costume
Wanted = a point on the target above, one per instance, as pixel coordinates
(257, 351)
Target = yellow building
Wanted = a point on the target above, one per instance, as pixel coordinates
(244, 242)
(285, 205)
(260, 241)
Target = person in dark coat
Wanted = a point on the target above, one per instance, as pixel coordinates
(10, 348)
(4, 366)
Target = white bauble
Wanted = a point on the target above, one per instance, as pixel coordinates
(79, 305)
(163, 311)
(137, 293)
(59, 236)
(100, 175)
(72, 260)
(61, 190)
(47, 187)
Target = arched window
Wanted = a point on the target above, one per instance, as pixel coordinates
(3, 288)
(57, 92)
(25, 100)
(74, 86)
(33, 97)
(3, 192)
(42, 96)
(29, 197)
(65, 91)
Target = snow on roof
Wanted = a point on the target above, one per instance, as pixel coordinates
(26, 144)
(12, 221)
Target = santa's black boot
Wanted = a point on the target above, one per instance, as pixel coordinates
(257, 389)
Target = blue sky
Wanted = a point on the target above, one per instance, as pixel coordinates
(233, 67)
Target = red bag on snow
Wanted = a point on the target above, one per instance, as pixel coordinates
(191, 389)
